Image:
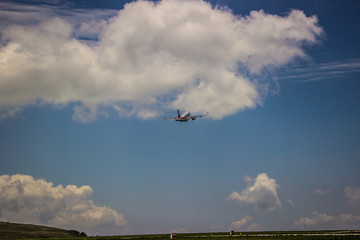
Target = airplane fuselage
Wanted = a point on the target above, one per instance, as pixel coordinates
(183, 117)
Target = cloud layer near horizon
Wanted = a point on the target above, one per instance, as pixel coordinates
(148, 58)
(29, 200)
(326, 221)
(246, 221)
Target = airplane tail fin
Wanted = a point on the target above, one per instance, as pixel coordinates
(178, 113)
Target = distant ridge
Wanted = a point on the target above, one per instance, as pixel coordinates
(23, 231)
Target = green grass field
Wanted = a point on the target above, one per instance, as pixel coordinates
(34, 232)
(311, 235)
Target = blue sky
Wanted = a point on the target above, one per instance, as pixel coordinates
(280, 148)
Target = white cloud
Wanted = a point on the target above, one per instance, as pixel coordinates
(317, 219)
(149, 57)
(320, 191)
(323, 220)
(179, 230)
(254, 227)
(260, 192)
(353, 195)
(347, 217)
(291, 203)
(245, 224)
(238, 225)
(29, 200)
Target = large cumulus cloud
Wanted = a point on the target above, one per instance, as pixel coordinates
(148, 58)
(25, 199)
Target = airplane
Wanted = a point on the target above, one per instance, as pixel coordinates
(184, 117)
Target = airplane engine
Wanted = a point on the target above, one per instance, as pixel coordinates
(193, 119)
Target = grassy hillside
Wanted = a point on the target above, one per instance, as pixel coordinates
(23, 231)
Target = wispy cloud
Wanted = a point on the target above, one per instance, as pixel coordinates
(319, 191)
(291, 203)
(352, 194)
(310, 72)
(87, 24)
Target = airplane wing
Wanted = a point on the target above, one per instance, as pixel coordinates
(171, 118)
(198, 116)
